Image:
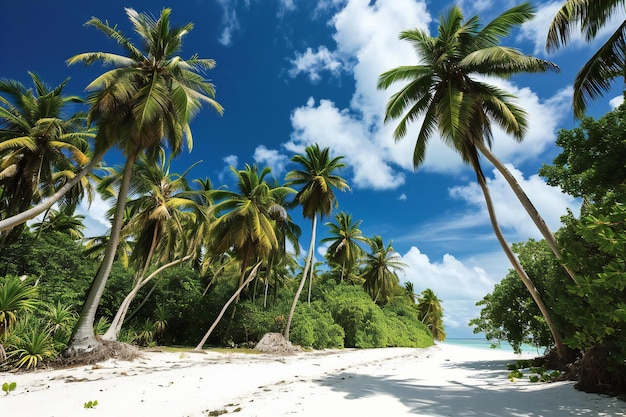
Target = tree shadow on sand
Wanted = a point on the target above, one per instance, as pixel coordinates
(458, 399)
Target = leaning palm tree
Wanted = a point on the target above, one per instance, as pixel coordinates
(37, 144)
(445, 89)
(430, 312)
(149, 96)
(316, 196)
(344, 249)
(380, 270)
(163, 210)
(608, 63)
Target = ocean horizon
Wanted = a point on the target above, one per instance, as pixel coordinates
(482, 343)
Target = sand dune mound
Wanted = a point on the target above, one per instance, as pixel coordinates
(276, 344)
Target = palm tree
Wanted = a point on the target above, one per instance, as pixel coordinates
(607, 63)
(37, 145)
(149, 95)
(381, 270)
(463, 108)
(430, 313)
(409, 290)
(160, 215)
(286, 231)
(60, 221)
(344, 249)
(316, 196)
(244, 221)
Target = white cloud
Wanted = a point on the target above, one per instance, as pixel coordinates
(458, 285)
(327, 126)
(271, 158)
(230, 22)
(550, 202)
(616, 101)
(96, 221)
(229, 161)
(402, 197)
(312, 63)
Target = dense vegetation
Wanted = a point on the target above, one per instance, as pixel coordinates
(183, 256)
(591, 314)
(45, 282)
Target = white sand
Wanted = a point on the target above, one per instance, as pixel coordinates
(443, 380)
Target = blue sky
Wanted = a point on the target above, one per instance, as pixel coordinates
(296, 72)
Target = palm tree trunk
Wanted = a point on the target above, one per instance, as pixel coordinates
(310, 282)
(307, 265)
(520, 270)
(228, 303)
(527, 204)
(83, 337)
(118, 320)
(33, 212)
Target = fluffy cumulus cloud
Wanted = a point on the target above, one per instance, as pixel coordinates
(271, 158)
(323, 123)
(312, 63)
(458, 285)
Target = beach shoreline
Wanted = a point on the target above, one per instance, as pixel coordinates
(442, 380)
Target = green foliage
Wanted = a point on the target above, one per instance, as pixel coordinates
(16, 295)
(312, 326)
(509, 314)
(91, 404)
(597, 307)
(30, 343)
(591, 164)
(366, 325)
(7, 387)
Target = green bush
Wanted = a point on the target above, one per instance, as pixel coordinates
(312, 326)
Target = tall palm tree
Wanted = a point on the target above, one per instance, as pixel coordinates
(431, 313)
(149, 96)
(244, 221)
(344, 249)
(381, 269)
(37, 144)
(445, 90)
(286, 232)
(316, 196)
(608, 63)
(163, 210)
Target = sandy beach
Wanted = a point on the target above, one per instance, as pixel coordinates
(443, 380)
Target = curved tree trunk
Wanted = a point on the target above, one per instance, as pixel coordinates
(228, 303)
(527, 204)
(310, 282)
(307, 265)
(116, 325)
(11, 222)
(83, 337)
(520, 270)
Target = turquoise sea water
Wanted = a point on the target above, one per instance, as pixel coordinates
(481, 343)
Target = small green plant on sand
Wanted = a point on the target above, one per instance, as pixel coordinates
(8, 387)
(91, 404)
(536, 373)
